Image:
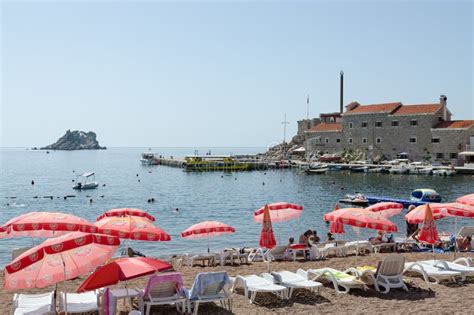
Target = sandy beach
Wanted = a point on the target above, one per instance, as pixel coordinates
(422, 297)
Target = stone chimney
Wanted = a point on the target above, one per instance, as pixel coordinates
(442, 101)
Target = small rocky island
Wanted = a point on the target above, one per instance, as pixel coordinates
(76, 140)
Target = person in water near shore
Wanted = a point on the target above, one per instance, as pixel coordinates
(412, 228)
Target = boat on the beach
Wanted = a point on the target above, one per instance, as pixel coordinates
(356, 199)
(330, 158)
(424, 194)
(85, 181)
(316, 168)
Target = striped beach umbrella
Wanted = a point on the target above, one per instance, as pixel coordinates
(207, 229)
(126, 212)
(279, 212)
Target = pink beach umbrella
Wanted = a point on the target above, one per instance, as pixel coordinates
(361, 218)
(386, 209)
(134, 228)
(207, 229)
(467, 200)
(58, 259)
(336, 227)
(440, 211)
(45, 224)
(279, 212)
(126, 212)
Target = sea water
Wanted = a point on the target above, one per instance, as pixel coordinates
(227, 197)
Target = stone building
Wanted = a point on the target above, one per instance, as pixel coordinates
(423, 131)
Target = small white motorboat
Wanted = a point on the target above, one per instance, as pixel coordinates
(316, 168)
(444, 172)
(85, 181)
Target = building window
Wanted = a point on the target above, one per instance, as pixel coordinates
(394, 123)
(453, 155)
(378, 140)
(413, 122)
(338, 140)
(412, 139)
(439, 155)
(440, 118)
(327, 140)
(350, 125)
(435, 140)
(350, 140)
(364, 140)
(364, 124)
(378, 124)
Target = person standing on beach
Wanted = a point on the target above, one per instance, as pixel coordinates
(412, 228)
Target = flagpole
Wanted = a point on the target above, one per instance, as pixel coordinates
(307, 108)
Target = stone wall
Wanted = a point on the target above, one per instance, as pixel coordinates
(451, 142)
(381, 138)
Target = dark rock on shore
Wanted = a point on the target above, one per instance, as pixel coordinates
(76, 140)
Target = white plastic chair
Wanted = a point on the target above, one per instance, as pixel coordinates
(79, 302)
(254, 284)
(291, 280)
(34, 304)
(429, 272)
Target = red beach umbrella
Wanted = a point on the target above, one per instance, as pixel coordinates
(130, 227)
(207, 229)
(361, 218)
(126, 212)
(467, 200)
(336, 227)
(279, 212)
(387, 209)
(122, 269)
(45, 224)
(58, 259)
(428, 233)
(267, 238)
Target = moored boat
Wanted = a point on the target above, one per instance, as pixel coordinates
(357, 199)
(83, 183)
(316, 168)
(425, 194)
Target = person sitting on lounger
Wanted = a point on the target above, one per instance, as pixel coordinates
(464, 244)
(291, 241)
(412, 229)
(313, 239)
(303, 238)
(330, 237)
(379, 239)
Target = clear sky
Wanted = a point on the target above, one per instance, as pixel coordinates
(221, 73)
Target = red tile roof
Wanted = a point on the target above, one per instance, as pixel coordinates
(418, 109)
(455, 124)
(374, 108)
(327, 127)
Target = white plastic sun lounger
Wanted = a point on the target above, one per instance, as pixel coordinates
(430, 272)
(460, 265)
(33, 304)
(338, 278)
(254, 284)
(291, 280)
(79, 302)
